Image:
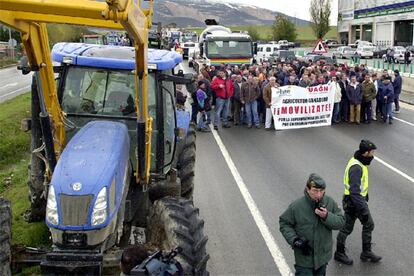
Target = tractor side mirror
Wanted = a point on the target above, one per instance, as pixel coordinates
(179, 78)
(24, 65)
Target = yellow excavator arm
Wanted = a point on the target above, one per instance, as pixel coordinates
(30, 18)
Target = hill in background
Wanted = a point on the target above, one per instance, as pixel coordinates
(192, 13)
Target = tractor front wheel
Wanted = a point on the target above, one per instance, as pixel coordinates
(175, 222)
(186, 163)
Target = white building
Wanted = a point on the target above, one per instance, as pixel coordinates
(383, 22)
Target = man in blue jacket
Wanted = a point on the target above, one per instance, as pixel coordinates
(397, 84)
(387, 97)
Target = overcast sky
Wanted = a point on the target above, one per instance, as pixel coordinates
(298, 8)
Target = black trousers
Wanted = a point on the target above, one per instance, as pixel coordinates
(367, 226)
(397, 101)
(306, 271)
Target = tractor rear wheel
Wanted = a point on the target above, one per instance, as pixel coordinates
(175, 222)
(186, 163)
(5, 237)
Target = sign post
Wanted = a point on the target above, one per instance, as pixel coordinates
(319, 48)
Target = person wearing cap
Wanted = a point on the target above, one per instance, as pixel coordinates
(307, 226)
(355, 204)
(397, 84)
(387, 97)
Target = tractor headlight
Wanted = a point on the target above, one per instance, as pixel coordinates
(51, 208)
(99, 213)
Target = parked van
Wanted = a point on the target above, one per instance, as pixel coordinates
(264, 51)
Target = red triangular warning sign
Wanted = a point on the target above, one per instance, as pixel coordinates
(319, 48)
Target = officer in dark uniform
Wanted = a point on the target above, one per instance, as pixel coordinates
(355, 204)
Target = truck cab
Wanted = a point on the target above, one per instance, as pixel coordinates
(218, 45)
(234, 49)
(265, 51)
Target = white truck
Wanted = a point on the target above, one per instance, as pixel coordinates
(189, 44)
(283, 44)
(219, 45)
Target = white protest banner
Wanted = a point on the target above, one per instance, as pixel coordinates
(298, 107)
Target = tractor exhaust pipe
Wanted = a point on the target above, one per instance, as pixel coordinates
(46, 127)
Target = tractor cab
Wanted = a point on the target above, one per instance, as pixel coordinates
(97, 82)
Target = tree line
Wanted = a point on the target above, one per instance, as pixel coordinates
(285, 29)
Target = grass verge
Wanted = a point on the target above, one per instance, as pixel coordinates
(7, 62)
(14, 158)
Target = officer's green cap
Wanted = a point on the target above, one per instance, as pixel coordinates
(316, 181)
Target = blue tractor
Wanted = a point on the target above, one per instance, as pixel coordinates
(93, 202)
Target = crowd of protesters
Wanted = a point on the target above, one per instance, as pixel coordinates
(242, 94)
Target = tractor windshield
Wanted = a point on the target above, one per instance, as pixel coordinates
(101, 92)
(94, 93)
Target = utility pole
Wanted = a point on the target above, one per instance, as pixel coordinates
(11, 47)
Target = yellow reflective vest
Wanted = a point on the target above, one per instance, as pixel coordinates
(364, 177)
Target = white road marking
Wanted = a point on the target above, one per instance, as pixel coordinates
(15, 91)
(408, 123)
(406, 176)
(277, 255)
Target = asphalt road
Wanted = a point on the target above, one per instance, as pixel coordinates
(274, 167)
(13, 83)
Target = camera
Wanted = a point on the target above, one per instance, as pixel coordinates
(319, 205)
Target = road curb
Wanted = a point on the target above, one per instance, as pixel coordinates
(8, 66)
(406, 102)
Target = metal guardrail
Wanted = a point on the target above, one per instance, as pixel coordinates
(403, 68)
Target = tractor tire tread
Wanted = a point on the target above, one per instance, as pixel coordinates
(186, 163)
(5, 237)
(181, 227)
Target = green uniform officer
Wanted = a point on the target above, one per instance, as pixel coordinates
(307, 226)
(355, 204)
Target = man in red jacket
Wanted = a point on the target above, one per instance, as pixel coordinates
(223, 88)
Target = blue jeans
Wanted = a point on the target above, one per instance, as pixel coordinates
(221, 105)
(367, 113)
(335, 114)
(208, 117)
(380, 109)
(388, 111)
(251, 108)
(201, 120)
